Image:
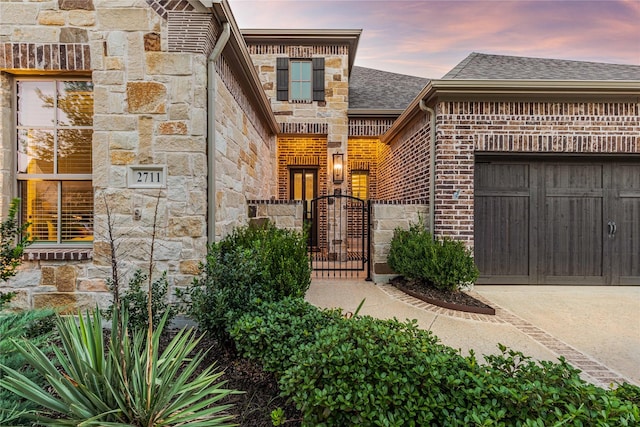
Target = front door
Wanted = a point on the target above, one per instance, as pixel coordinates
(304, 186)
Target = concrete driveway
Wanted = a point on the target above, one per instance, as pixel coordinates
(597, 329)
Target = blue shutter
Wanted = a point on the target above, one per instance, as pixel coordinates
(318, 79)
(282, 79)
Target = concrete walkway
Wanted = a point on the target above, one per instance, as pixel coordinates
(597, 329)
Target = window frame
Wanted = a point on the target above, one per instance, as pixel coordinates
(283, 77)
(22, 179)
(303, 63)
(365, 175)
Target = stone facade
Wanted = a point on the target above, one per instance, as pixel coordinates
(150, 108)
(327, 118)
(385, 218)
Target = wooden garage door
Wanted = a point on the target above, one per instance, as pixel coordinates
(557, 222)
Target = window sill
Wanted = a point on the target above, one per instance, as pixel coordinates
(57, 254)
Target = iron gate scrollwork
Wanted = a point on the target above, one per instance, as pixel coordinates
(340, 239)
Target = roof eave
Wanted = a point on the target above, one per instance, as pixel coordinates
(351, 37)
(444, 88)
(237, 54)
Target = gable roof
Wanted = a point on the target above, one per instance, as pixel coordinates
(297, 37)
(371, 89)
(480, 66)
(482, 76)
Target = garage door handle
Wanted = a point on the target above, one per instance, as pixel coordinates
(612, 228)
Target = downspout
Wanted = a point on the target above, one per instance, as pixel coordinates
(432, 166)
(211, 131)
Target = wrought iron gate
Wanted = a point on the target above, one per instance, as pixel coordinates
(339, 235)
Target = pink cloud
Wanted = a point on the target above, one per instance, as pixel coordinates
(428, 37)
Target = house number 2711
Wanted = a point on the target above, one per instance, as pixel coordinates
(146, 176)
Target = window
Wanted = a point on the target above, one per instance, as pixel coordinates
(360, 184)
(300, 79)
(54, 130)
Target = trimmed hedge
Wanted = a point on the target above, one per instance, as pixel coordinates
(445, 264)
(369, 372)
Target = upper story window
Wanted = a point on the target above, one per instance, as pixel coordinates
(300, 79)
(54, 124)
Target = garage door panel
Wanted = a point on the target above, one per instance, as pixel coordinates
(572, 237)
(505, 233)
(502, 219)
(626, 214)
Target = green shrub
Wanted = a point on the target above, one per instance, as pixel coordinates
(445, 264)
(512, 389)
(13, 240)
(135, 300)
(120, 383)
(36, 326)
(274, 331)
(368, 372)
(250, 265)
(364, 371)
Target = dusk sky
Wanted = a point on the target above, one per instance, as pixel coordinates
(427, 38)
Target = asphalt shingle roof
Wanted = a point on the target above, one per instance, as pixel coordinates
(480, 66)
(382, 90)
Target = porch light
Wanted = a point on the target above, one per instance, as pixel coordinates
(338, 169)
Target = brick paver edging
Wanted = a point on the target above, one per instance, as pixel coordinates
(593, 371)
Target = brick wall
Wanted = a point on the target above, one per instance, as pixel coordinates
(465, 129)
(301, 152)
(362, 155)
(469, 128)
(403, 165)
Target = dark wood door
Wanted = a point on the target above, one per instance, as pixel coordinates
(502, 223)
(623, 226)
(557, 222)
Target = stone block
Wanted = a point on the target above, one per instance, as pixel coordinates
(124, 19)
(51, 17)
(93, 285)
(185, 144)
(178, 111)
(122, 157)
(48, 277)
(33, 34)
(146, 97)
(82, 18)
(111, 122)
(73, 35)
(102, 253)
(18, 13)
(75, 4)
(65, 302)
(172, 128)
(168, 63)
(193, 226)
(123, 140)
(152, 42)
(110, 77)
(66, 276)
(114, 63)
(190, 266)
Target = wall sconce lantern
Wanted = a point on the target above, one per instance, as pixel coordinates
(338, 168)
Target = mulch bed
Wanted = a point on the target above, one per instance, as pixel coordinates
(454, 300)
(260, 395)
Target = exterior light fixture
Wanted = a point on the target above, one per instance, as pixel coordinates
(338, 168)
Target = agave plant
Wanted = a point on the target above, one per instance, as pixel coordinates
(131, 384)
